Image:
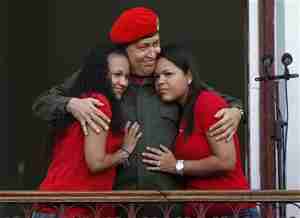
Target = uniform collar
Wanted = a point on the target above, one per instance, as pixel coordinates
(142, 80)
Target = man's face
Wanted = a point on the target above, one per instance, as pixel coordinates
(143, 55)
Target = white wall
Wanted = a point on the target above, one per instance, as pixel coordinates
(288, 40)
(253, 116)
(292, 45)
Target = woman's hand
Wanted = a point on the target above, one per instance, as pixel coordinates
(160, 159)
(131, 137)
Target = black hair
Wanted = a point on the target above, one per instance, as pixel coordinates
(183, 58)
(93, 77)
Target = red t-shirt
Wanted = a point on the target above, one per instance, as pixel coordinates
(196, 147)
(68, 170)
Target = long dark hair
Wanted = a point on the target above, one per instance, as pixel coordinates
(183, 58)
(93, 77)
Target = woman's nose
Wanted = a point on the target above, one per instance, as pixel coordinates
(161, 79)
(123, 81)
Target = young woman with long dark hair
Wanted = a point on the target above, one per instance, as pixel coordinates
(83, 162)
(205, 163)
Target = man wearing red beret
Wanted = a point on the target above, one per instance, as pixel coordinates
(137, 30)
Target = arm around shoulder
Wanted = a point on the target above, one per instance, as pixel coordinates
(51, 105)
(223, 153)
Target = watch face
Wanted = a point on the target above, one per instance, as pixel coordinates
(179, 165)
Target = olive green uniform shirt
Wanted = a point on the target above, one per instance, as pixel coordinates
(159, 123)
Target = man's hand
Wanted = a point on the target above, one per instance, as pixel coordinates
(226, 127)
(86, 112)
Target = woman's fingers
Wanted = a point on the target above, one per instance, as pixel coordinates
(164, 148)
(139, 135)
(153, 168)
(127, 127)
(132, 135)
(150, 156)
(133, 128)
(152, 162)
(155, 150)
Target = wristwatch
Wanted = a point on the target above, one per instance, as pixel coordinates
(179, 167)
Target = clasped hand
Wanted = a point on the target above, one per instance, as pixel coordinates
(159, 159)
(131, 136)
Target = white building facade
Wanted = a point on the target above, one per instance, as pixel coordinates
(287, 39)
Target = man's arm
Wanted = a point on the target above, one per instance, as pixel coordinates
(229, 117)
(51, 105)
(232, 101)
(56, 104)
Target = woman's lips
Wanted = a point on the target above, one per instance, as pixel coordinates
(119, 90)
(163, 91)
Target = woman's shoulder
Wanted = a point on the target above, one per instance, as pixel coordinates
(208, 103)
(210, 99)
(96, 95)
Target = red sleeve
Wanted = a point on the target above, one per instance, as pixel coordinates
(106, 108)
(207, 105)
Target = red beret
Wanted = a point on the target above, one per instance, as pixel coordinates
(134, 24)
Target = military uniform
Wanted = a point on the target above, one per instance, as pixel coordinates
(159, 123)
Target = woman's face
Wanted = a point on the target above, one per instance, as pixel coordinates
(119, 69)
(171, 83)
